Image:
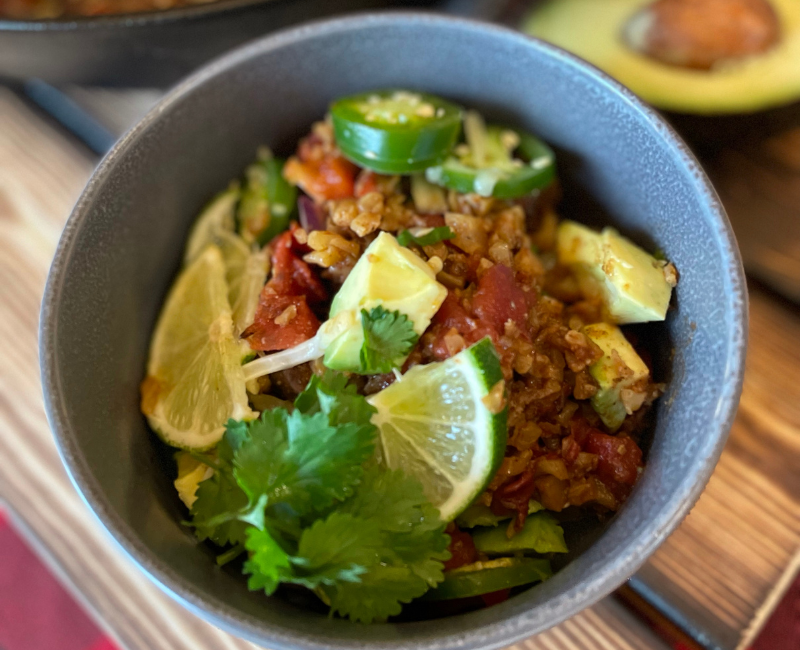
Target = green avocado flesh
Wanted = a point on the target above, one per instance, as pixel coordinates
(592, 29)
(619, 369)
(540, 534)
(389, 275)
(486, 577)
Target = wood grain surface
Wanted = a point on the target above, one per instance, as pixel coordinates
(720, 565)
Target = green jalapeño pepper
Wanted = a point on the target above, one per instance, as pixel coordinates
(268, 200)
(486, 577)
(395, 131)
(487, 165)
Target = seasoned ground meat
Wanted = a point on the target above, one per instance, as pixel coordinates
(503, 282)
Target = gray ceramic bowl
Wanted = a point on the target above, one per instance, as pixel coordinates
(122, 246)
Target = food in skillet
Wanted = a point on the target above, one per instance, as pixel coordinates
(390, 368)
(47, 9)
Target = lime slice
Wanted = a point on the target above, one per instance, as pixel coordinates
(245, 273)
(217, 216)
(445, 424)
(195, 381)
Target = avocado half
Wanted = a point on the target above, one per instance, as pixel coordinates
(592, 29)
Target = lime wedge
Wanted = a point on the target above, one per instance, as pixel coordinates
(245, 273)
(195, 381)
(445, 424)
(218, 216)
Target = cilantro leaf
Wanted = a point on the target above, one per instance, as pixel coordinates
(268, 565)
(395, 501)
(301, 460)
(433, 236)
(411, 525)
(337, 549)
(219, 496)
(236, 434)
(381, 593)
(388, 338)
(413, 547)
(333, 394)
(381, 548)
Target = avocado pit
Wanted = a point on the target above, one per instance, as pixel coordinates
(700, 34)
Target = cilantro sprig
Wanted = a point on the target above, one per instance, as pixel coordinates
(433, 236)
(378, 550)
(291, 489)
(388, 338)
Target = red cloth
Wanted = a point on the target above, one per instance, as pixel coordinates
(782, 631)
(36, 612)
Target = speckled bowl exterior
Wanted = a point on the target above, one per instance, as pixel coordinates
(122, 246)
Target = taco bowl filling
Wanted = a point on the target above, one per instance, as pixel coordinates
(392, 371)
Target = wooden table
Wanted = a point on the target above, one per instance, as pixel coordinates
(716, 572)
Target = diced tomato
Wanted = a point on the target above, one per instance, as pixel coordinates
(452, 314)
(513, 497)
(580, 429)
(337, 177)
(365, 183)
(431, 220)
(462, 548)
(446, 342)
(368, 181)
(495, 597)
(330, 177)
(291, 276)
(499, 299)
(266, 335)
(570, 449)
(619, 458)
(298, 248)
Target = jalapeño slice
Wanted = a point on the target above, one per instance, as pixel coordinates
(486, 577)
(395, 131)
(488, 164)
(268, 200)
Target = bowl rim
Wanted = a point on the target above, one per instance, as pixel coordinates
(509, 628)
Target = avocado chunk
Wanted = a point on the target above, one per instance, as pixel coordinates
(621, 374)
(540, 534)
(190, 473)
(389, 275)
(596, 31)
(634, 286)
(485, 577)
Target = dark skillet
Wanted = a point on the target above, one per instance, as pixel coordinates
(152, 49)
